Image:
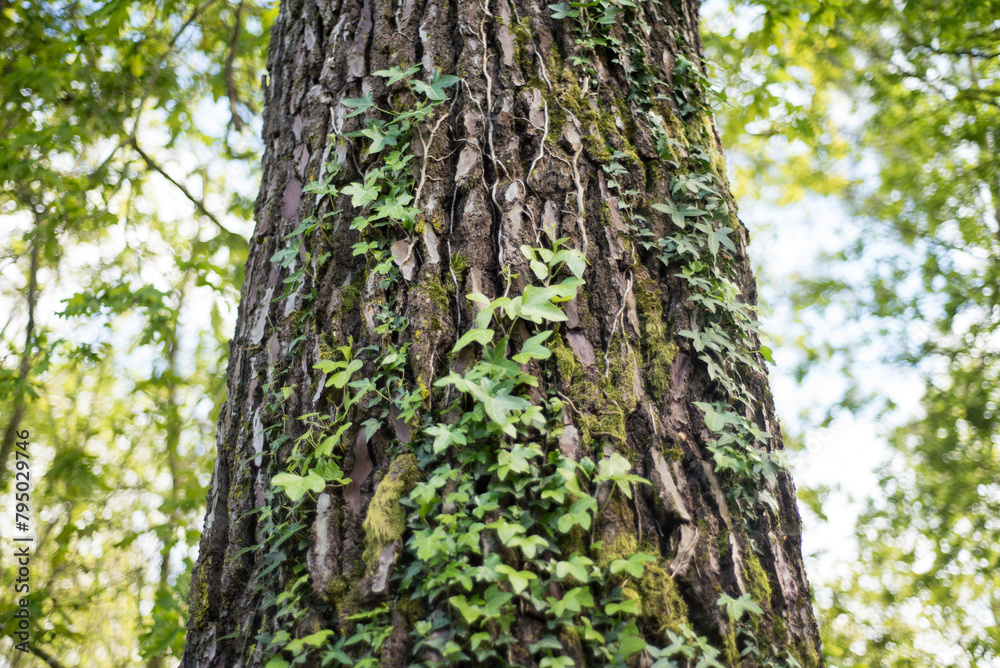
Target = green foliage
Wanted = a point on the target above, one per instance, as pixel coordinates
(489, 428)
(102, 355)
(892, 108)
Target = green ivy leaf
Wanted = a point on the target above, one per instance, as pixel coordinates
(633, 566)
(536, 305)
(713, 420)
(445, 437)
(533, 349)
(314, 640)
(333, 440)
(469, 612)
(358, 104)
(341, 378)
(361, 195)
(735, 607)
(519, 580)
(330, 472)
(481, 336)
(296, 486)
(395, 74)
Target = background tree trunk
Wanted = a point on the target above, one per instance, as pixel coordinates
(523, 152)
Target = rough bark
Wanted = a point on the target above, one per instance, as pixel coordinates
(517, 157)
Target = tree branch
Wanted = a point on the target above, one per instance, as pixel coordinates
(10, 434)
(234, 97)
(45, 656)
(199, 204)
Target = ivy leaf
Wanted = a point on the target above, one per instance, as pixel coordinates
(481, 336)
(469, 612)
(341, 378)
(533, 349)
(332, 441)
(358, 104)
(566, 290)
(579, 514)
(530, 545)
(314, 640)
(628, 607)
(556, 662)
(766, 353)
(444, 437)
(395, 74)
(540, 270)
(548, 642)
(517, 459)
(435, 89)
(633, 565)
(519, 580)
(576, 567)
(371, 426)
(330, 472)
(713, 420)
(721, 235)
(500, 406)
(536, 305)
(506, 531)
(630, 641)
(562, 11)
(574, 260)
(616, 469)
(496, 599)
(296, 486)
(679, 214)
(361, 195)
(737, 606)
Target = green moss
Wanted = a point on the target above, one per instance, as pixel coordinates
(570, 639)
(658, 351)
(386, 520)
(521, 33)
(602, 401)
(199, 600)
(757, 579)
(722, 542)
(608, 127)
(780, 630)
(431, 286)
(459, 263)
(411, 610)
(345, 596)
(662, 607)
(596, 148)
(350, 294)
(672, 453)
(565, 359)
(730, 648)
(622, 546)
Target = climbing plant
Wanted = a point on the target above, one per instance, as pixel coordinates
(431, 517)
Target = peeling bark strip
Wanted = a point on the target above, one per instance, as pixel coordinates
(520, 155)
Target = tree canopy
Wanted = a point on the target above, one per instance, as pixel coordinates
(894, 108)
(125, 209)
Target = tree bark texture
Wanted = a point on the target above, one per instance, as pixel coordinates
(518, 155)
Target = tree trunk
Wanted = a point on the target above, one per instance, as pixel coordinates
(584, 124)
